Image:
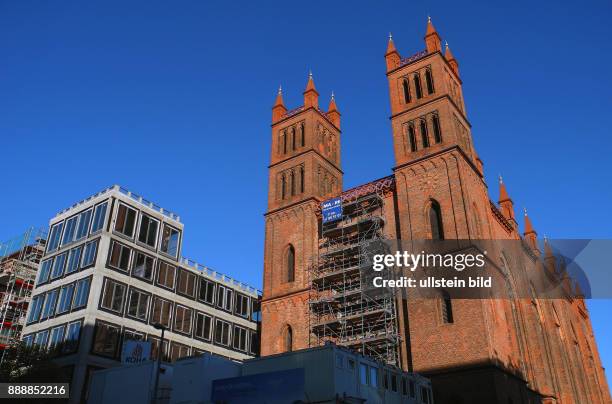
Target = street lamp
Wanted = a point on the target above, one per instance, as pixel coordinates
(160, 350)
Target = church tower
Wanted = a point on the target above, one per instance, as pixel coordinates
(304, 170)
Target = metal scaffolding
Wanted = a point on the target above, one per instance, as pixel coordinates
(19, 259)
(344, 306)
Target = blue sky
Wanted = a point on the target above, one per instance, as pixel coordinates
(172, 100)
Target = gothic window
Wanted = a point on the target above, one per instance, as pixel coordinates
(283, 186)
(429, 80)
(303, 135)
(284, 142)
(288, 339)
(302, 179)
(292, 180)
(435, 221)
(424, 137)
(293, 144)
(290, 264)
(417, 85)
(436, 128)
(447, 307)
(406, 87)
(412, 138)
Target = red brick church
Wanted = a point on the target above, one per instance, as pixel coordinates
(523, 350)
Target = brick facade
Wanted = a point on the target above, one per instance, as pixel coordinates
(496, 350)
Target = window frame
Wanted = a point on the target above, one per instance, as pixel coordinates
(129, 300)
(158, 272)
(52, 276)
(59, 298)
(70, 259)
(134, 225)
(77, 283)
(203, 337)
(240, 296)
(122, 247)
(44, 308)
(96, 244)
(243, 332)
(141, 218)
(51, 247)
(72, 219)
(77, 235)
(78, 340)
(161, 241)
(152, 311)
(97, 326)
(214, 290)
(39, 298)
(93, 218)
(229, 329)
(135, 255)
(39, 281)
(103, 291)
(190, 275)
(174, 326)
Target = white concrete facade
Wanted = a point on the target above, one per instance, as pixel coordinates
(136, 277)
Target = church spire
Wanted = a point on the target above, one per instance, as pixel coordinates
(392, 56)
(529, 233)
(278, 109)
(332, 111)
(311, 96)
(450, 58)
(506, 204)
(432, 39)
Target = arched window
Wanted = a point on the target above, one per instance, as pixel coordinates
(290, 264)
(303, 135)
(429, 80)
(436, 128)
(406, 87)
(302, 180)
(283, 186)
(284, 142)
(435, 221)
(417, 85)
(447, 307)
(412, 138)
(424, 137)
(292, 179)
(288, 339)
(293, 139)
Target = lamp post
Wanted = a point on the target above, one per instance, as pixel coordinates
(160, 350)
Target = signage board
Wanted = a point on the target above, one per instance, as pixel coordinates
(134, 352)
(331, 210)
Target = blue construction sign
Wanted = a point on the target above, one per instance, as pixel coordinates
(331, 210)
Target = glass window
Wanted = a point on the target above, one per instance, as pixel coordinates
(138, 304)
(203, 326)
(45, 271)
(106, 339)
(241, 306)
(83, 227)
(165, 274)
(49, 306)
(120, 257)
(143, 266)
(54, 237)
(178, 351)
(224, 298)
(81, 293)
(255, 310)
(239, 338)
(89, 254)
(155, 348)
(28, 340)
(186, 283)
(99, 217)
(35, 308)
(182, 319)
(65, 298)
(254, 343)
(70, 230)
(170, 240)
(126, 220)
(58, 266)
(56, 337)
(113, 296)
(207, 291)
(363, 373)
(373, 376)
(71, 341)
(161, 312)
(148, 230)
(41, 338)
(74, 257)
(222, 330)
(131, 335)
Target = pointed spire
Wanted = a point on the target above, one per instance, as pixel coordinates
(430, 28)
(503, 193)
(390, 45)
(530, 234)
(278, 109)
(311, 96)
(528, 225)
(450, 58)
(332, 111)
(279, 97)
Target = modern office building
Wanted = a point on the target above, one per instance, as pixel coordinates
(112, 269)
(328, 374)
